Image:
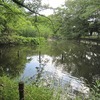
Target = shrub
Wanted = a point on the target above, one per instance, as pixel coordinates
(21, 40)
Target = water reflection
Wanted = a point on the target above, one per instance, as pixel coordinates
(80, 60)
(68, 62)
(50, 74)
(12, 60)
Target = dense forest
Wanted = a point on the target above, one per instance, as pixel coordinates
(21, 22)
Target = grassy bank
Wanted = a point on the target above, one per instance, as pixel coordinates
(19, 40)
(9, 91)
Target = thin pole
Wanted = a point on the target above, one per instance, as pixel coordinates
(21, 91)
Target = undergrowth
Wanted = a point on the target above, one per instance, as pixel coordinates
(9, 91)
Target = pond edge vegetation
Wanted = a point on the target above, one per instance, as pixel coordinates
(9, 91)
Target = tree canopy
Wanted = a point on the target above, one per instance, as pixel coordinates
(21, 19)
(79, 17)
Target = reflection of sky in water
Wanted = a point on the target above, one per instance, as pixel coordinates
(50, 69)
(30, 68)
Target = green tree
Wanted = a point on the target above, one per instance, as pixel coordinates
(79, 17)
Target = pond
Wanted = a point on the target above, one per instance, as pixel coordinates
(56, 63)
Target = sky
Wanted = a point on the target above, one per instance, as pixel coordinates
(52, 3)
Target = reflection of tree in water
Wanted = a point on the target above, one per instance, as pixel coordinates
(38, 75)
(80, 61)
(36, 79)
(12, 60)
(40, 78)
(77, 59)
(87, 63)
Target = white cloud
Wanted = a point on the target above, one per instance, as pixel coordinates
(47, 12)
(52, 3)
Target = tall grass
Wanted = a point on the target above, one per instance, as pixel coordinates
(9, 91)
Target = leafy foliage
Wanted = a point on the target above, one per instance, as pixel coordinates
(19, 26)
(79, 18)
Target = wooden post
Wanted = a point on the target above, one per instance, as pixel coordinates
(18, 53)
(62, 56)
(1, 53)
(21, 91)
(39, 57)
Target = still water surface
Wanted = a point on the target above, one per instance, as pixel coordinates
(53, 64)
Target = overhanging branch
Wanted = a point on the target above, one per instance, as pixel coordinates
(23, 5)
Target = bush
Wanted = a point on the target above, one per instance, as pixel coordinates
(21, 40)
